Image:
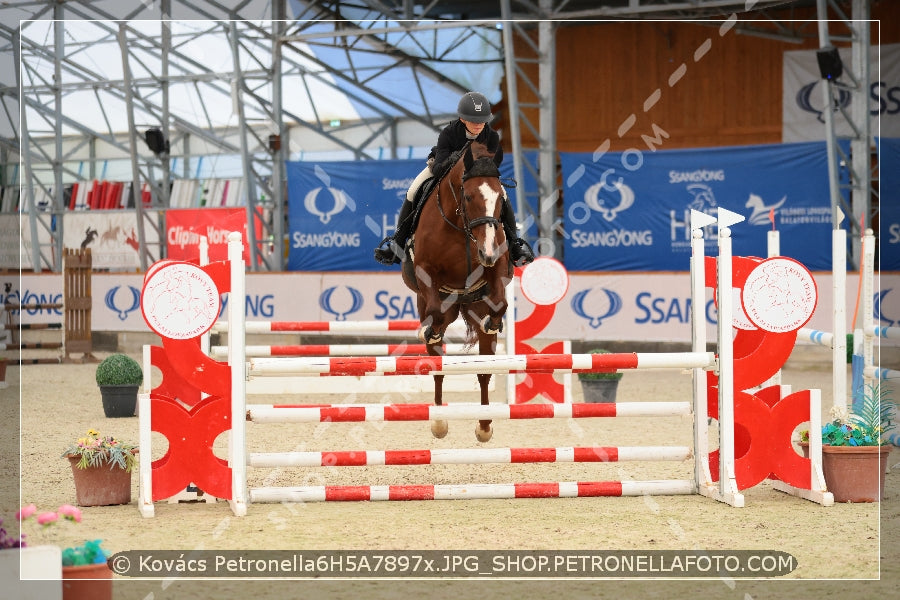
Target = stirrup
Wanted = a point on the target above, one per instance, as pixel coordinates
(386, 256)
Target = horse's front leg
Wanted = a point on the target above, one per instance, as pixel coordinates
(492, 322)
(433, 317)
(434, 324)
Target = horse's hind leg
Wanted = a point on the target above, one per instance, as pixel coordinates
(484, 431)
(439, 426)
(486, 345)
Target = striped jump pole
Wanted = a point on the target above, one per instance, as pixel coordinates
(815, 336)
(10, 306)
(343, 350)
(472, 491)
(465, 456)
(355, 413)
(31, 346)
(29, 326)
(516, 363)
(885, 333)
(345, 327)
(881, 374)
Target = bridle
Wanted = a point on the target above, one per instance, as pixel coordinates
(482, 167)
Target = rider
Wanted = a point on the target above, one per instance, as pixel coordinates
(474, 112)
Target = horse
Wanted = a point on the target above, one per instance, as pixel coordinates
(457, 263)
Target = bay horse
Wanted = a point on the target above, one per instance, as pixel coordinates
(457, 263)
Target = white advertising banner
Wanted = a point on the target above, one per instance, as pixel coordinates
(642, 307)
(111, 236)
(803, 103)
(11, 243)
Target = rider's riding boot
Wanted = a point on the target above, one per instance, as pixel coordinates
(519, 250)
(393, 254)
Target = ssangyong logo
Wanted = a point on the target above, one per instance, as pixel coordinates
(609, 200)
(343, 306)
(339, 201)
(120, 303)
(596, 304)
(806, 101)
(879, 305)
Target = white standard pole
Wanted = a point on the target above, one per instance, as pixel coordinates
(237, 361)
(203, 261)
(773, 244)
(773, 248)
(511, 337)
(867, 272)
(702, 476)
(839, 316)
(728, 490)
(145, 467)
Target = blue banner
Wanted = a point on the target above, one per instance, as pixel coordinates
(889, 204)
(630, 211)
(340, 211)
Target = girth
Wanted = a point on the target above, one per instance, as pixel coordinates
(473, 293)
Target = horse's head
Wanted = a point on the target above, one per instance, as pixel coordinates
(481, 203)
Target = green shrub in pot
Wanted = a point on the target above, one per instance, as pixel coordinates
(119, 369)
(119, 377)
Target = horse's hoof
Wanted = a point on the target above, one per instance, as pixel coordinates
(484, 436)
(439, 429)
(429, 335)
(490, 328)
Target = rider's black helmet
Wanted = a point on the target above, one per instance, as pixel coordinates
(474, 107)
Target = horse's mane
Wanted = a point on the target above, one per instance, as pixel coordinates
(482, 164)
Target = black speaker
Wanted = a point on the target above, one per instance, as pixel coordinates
(156, 141)
(830, 65)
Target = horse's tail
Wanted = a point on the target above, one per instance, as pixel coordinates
(471, 334)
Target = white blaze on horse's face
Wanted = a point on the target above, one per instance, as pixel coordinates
(490, 253)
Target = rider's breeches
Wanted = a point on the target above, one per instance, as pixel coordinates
(417, 183)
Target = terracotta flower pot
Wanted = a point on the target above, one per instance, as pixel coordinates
(87, 582)
(855, 473)
(100, 486)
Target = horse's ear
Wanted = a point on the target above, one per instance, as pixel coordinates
(468, 161)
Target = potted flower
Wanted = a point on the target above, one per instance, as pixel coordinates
(599, 387)
(854, 453)
(83, 569)
(101, 468)
(119, 377)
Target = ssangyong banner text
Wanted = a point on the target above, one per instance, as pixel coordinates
(340, 211)
(605, 306)
(630, 211)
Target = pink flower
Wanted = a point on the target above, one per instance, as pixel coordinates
(46, 518)
(70, 512)
(26, 511)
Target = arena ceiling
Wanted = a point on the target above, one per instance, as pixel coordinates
(333, 86)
